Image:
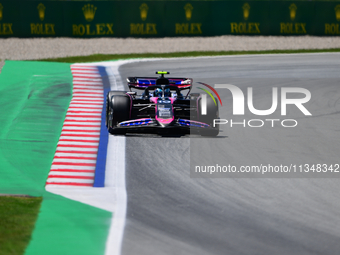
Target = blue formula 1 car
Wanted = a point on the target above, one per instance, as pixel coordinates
(160, 109)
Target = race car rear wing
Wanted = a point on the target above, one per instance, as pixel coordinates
(144, 82)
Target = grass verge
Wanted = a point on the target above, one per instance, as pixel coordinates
(104, 57)
(17, 219)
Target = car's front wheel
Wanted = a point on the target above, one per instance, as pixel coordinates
(117, 110)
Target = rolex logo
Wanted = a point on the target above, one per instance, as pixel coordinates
(1, 7)
(337, 12)
(292, 9)
(188, 11)
(246, 8)
(144, 11)
(41, 10)
(89, 11)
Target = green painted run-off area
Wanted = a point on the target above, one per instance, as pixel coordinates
(34, 100)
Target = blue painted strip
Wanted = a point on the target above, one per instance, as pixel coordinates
(99, 176)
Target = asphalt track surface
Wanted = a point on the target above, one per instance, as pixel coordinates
(168, 212)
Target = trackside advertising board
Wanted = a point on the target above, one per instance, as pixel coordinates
(84, 19)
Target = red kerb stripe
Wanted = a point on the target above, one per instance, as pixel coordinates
(79, 131)
(99, 112)
(78, 141)
(67, 157)
(84, 101)
(71, 177)
(72, 170)
(88, 121)
(92, 106)
(86, 87)
(77, 152)
(87, 76)
(83, 116)
(77, 146)
(88, 84)
(88, 94)
(95, 71)
(81, 135)
(73, 164)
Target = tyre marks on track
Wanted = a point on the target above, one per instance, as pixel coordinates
(75, 158)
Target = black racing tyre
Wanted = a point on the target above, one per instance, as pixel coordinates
(193, 104)
(118, 110)
(109, 102)
(212, 113)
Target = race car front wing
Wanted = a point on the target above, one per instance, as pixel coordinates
(150, 124)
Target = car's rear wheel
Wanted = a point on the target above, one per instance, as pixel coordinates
(209, 117)
(118, 106)
(193, 104)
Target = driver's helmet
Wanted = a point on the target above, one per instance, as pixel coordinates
(157, 92)
(167, 92)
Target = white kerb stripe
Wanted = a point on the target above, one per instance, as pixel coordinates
(66, 180)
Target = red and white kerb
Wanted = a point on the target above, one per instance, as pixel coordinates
(75, 158)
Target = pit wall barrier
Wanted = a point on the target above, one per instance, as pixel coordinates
(167, 18)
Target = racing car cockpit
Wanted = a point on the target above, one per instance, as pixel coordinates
(159, 92)
(160, 86)
(162, 81)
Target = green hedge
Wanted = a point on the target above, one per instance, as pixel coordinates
(167, 18)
